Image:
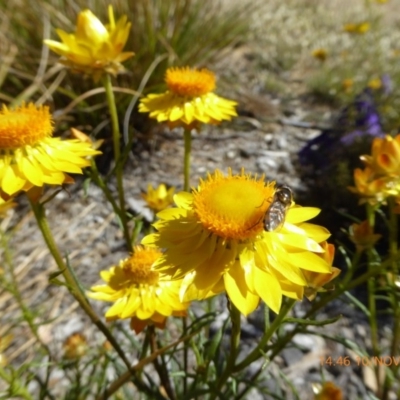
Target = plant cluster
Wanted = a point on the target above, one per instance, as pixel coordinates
(233, 236)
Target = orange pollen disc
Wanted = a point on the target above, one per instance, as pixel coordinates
(233, 207)
(25, 125)
(190, 82)
(138, 266)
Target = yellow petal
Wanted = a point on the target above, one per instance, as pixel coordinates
(299, 241)
(175, 114)
(32, 172)
(245, 301)
(132, 305)
(295, 215)
(268, 288)
(183, 200)
(292, 290)
(11, 183)
(117, 308)
(310, 262)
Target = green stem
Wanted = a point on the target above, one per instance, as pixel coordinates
(371, 296)
(259, 350)
(328, 297)
(126, 377)
(117, 156)
(102, 381)
(13, 287)
(16, 387)
(185, 355)
(114, 117)
(186, 159)
(277, 348)
(233, 351)
(14, 290)
(107, 193)
(352, 268)
(72, 285)
(160, 366)
(393, 251)
(391, 278)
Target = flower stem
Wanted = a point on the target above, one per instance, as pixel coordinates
(71, 283)
(96, 177)
(341, 288)
(185, 355)
(186, 159)
(258, 351)
(117, 156)
(159, 365)
(19, 389)
(153, 393)
(233, 351)
(276, 349)
(352, 267)
(392, 277)
(372, 316)
(13, 287)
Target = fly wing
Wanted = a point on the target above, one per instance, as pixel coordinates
(274, 217)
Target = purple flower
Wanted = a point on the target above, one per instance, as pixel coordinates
(356, 122)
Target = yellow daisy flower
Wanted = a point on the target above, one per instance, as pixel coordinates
(357, 28)
(320, 54)
(138, 293)
(215, 241)
(363, 236)
(363, 27)
(369, 187)
(385, 156)
(75, 346)
(381, 176)
(160, 198)
(94, 48)
(347, 85)
(30, 156)
(189, 100)
(375, 83)
(327, 391)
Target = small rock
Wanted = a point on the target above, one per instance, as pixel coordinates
(291, 355)
(307, 342)
(231, 154)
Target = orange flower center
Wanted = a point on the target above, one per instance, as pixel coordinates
(190, 82)
(138, 266)
(233, 207)
(25, 125)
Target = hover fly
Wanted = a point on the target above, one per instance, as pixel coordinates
(276, 213)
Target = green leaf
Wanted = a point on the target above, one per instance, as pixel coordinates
(301, 321)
